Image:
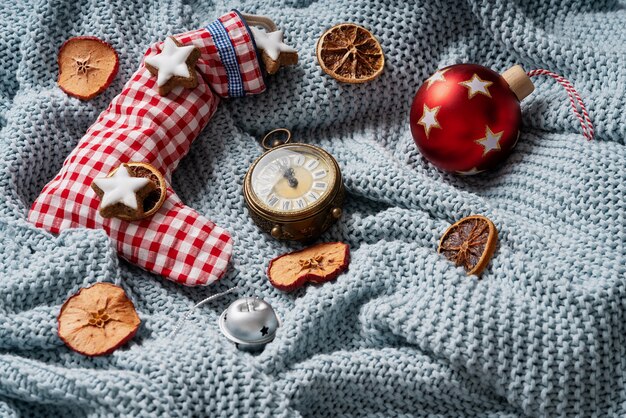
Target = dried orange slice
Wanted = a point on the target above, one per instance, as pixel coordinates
(97, 320)
(151, 198)
(87, 66)
(155, 199)
(318, 264)
(350, 53)
(470, 243)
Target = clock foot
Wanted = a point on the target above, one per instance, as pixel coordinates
(277, 232)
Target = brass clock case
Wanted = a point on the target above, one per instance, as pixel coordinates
(302, 225)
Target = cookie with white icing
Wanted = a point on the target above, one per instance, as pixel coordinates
(274, 52)
(128, 192)
(174, 66)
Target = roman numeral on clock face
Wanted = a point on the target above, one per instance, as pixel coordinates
(319, 174)
(265, 191)
(311, 164)
(299, 159)
(272, 200)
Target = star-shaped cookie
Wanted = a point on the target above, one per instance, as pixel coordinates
(174, 66)
(122, 195)
(274, 52)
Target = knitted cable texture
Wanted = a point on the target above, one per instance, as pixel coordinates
(403, 332)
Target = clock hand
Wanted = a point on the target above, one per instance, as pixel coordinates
(289, 174)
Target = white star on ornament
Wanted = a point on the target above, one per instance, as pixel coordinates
(438, 76)
(470, 172)
(429, 119)
(271, 42)
(476, 85)
(120, 188)
(171, 61)
(491, 141)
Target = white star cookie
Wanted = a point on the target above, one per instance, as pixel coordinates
(274, 51)
(174, 66)
(121, 193)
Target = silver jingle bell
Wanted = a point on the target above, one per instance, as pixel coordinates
(250, 323)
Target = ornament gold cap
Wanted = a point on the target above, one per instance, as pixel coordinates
(518, 81)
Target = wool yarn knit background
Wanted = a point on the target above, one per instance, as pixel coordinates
(403, 332)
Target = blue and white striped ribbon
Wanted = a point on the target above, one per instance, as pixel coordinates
(229, 58)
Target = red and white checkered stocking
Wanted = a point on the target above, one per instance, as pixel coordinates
(141, 126)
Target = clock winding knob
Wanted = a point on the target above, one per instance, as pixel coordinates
(336, 213)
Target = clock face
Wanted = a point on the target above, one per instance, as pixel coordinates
(292, 178)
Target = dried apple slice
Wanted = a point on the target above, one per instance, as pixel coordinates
(87, 66)
(470, 243)
(97, 320)
(318, 264)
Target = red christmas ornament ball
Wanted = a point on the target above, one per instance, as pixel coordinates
(465, 118)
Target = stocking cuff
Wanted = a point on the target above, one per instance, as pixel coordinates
(240, 73)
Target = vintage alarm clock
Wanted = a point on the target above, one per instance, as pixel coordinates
(293, 191)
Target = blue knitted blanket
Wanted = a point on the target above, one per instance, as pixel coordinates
(403, 332)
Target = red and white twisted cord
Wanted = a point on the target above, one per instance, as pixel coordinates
(574, 98)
